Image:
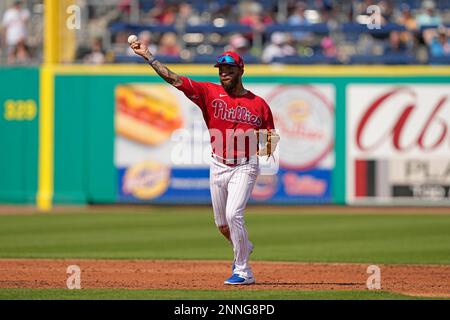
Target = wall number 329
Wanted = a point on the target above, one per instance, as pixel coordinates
(19, 110)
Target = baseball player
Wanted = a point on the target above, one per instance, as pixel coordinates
(233, 115)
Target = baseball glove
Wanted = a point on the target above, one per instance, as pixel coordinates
(268, 139)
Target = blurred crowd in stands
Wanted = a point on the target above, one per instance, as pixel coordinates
(268, 31)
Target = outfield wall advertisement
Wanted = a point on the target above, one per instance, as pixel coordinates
(357, 135)
(167, 160)
(398, 144)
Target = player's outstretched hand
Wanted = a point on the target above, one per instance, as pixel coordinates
(141, 50)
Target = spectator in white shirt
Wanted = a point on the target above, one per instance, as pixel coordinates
(95, 55)
(279, 47)
(429, 16)
(15, 25)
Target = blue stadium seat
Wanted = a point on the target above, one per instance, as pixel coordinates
(390, 59)
(210, 28)
(432, 26)
(210, 58)
(137, 59)
(320, 28)
(137, 28)
(315, 59)
(146, 5)
(413, 4)
(204, 59)
(222, 3)
(439, 60)
(169, 59)
(442, 4)
(250, 59)
(199, 5)
(128, 59)
(358, 28)
(268, 4)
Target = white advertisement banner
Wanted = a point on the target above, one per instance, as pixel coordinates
(303, 115)
(398, 143)
(162, 147)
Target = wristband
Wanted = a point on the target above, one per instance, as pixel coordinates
(151, 60)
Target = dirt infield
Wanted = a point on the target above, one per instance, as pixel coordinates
(418, 280)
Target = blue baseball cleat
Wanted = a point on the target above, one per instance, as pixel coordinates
(236, 279)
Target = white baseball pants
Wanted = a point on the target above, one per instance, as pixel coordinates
(231, 187)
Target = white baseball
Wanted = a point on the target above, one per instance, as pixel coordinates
(132, 39)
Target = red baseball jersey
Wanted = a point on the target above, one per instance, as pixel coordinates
(231, 120)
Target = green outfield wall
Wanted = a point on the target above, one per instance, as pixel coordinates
(84, 136)
(19, 102)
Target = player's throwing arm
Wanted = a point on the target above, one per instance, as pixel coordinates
(161, 70)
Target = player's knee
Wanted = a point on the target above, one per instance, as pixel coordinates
(234, 219)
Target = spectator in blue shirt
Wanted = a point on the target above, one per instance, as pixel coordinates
(438, 41)
(298, 19)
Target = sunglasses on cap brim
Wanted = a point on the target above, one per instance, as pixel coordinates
(224, 59)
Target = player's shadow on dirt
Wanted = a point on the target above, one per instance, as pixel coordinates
(343, 284)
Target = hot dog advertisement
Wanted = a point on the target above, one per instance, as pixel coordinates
(147, 114)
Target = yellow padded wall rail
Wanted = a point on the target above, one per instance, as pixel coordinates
(44, 197)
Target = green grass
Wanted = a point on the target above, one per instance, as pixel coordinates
(122, 294)
(189, 233)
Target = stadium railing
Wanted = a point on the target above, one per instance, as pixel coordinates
(389, 59)
(318, 28)
(137, 59)
(137, 28)
(445, 60)
(315, 59)
(357, 28)
(210, 28)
